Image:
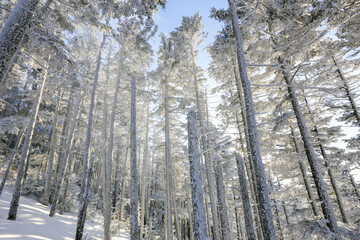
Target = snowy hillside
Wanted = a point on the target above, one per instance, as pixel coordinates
(33, 222)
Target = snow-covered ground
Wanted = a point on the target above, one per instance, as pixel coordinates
(33, 222)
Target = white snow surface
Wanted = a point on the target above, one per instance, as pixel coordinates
(33, 222)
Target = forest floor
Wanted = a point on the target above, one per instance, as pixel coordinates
(33, 222)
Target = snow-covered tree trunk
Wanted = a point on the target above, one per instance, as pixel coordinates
(250, 232)
(111, 137)
(276, 213)
(304, 175)
(263, 192)
(13, 32)
(26, 146)
(50, 164)
(65, 157)
(348, 92)
(85, 202)
(90, 118)
(223, 213)
(134, 228)
(107, 154)
(200, 232)
(334, 184)
(168, 167)
(327, 208)
(11, 159)
(188, 204)
(144, 170)
(209, 166)
(353, 183)
(247, 153)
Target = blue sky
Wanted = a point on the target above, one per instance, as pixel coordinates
(170, 18)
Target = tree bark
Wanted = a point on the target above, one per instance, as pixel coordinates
(13, 32)
(90, 118)
(264, 201)
(223, 213)
(11, 159)
(134, 228)
(327, 208)
(26, 146)
(250, 232)
(304, 175)
(196, 182)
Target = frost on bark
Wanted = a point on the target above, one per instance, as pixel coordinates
(65, 158)
(223, 213)
(84, 203)
(13, 32)
(26, 147)
(144, 171)
(90, 118)
(348, 92)
(200, 232)
(326, 206)
(168, 166)
(249, 226)
(305, 177)
(262, 188)
(134, 229)
(49, 169)
(11, 159)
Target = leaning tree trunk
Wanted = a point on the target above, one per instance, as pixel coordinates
(90, 118)
(65, 157)
(311, 155)
(304, 175)
(13, 32)
(50, 164)
(209, 166)
(11, 159)
(247, 152)
(249, 226)
(348, 92)
(134, 229)
(196, 182)
(26, 146)
(263, 198)
(327, 166)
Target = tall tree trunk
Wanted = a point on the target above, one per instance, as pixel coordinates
(263, 198)
(134, 229)
(49, 170)
(168, 167)
(348, 92)
(144, 171)
(26, 146)
(247, 152)
(11, 158)
(353, 183)
(188, 203)
(224, 219)
(196, 182)
(304, 175)
(85, 202)
(209, 166)
(65, 157)
(250, 232)
(310, 153)
(90, 118)
(327, 165)
(13, 32)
